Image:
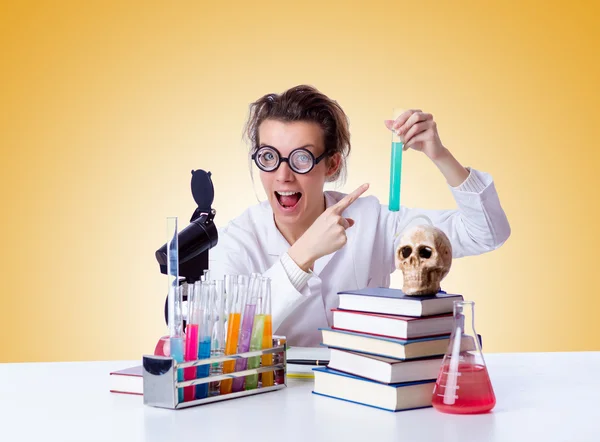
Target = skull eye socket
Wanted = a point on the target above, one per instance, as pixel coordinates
(405, 251)
(425, 252)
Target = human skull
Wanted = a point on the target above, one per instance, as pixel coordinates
(424, 256)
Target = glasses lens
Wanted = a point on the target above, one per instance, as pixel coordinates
(267, 158)
(301, 161)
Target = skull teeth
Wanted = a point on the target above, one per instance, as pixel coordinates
(414, 278)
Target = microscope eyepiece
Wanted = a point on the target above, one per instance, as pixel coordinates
(199, 236)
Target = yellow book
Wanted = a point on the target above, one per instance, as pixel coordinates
(307, 358)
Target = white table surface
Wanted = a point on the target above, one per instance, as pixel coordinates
(540, 397)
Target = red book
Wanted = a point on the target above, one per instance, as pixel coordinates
(127, 381)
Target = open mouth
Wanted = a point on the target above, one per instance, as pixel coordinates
(288, 200)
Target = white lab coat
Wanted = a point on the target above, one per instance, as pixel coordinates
(252, 243)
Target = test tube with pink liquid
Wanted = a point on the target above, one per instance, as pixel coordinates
(191, 340)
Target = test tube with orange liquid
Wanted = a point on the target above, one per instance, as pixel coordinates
(267, 378)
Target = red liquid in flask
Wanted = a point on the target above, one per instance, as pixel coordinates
(473, 392)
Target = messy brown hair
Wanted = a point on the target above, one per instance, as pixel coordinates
(304, 103)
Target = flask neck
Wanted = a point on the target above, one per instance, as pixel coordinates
(464, 318)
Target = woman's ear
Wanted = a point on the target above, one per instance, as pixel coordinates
(333, 164)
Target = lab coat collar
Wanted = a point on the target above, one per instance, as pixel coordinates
(278, 245)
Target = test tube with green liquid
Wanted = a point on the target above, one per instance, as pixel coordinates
(258, 331)
(396, 167)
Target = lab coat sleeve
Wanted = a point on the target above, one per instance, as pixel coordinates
(476, 226)
(231, 256)
(285, 297)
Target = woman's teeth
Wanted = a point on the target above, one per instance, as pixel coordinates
(288, 199)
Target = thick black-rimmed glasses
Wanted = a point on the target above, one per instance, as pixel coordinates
(300, 160)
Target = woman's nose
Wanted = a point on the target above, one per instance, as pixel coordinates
(284, 173)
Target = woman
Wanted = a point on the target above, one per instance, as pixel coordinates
(314, 243)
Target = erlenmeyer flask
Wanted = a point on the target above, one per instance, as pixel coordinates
(463, 385)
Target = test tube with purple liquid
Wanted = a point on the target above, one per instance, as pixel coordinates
(246, 329)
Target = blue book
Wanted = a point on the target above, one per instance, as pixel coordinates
(391, 397)
(391, 301)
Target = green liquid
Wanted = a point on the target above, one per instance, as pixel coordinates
(395, 176)
(255, 344)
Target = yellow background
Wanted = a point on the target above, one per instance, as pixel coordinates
(106, 107)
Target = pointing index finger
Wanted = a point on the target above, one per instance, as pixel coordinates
(342, 204)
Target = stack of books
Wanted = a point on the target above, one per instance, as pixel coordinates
(386, 348)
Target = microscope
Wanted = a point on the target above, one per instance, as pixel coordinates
(196, 239)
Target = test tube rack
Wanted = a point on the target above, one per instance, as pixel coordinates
(161, 384)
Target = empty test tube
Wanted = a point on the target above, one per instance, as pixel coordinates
(218, 337)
